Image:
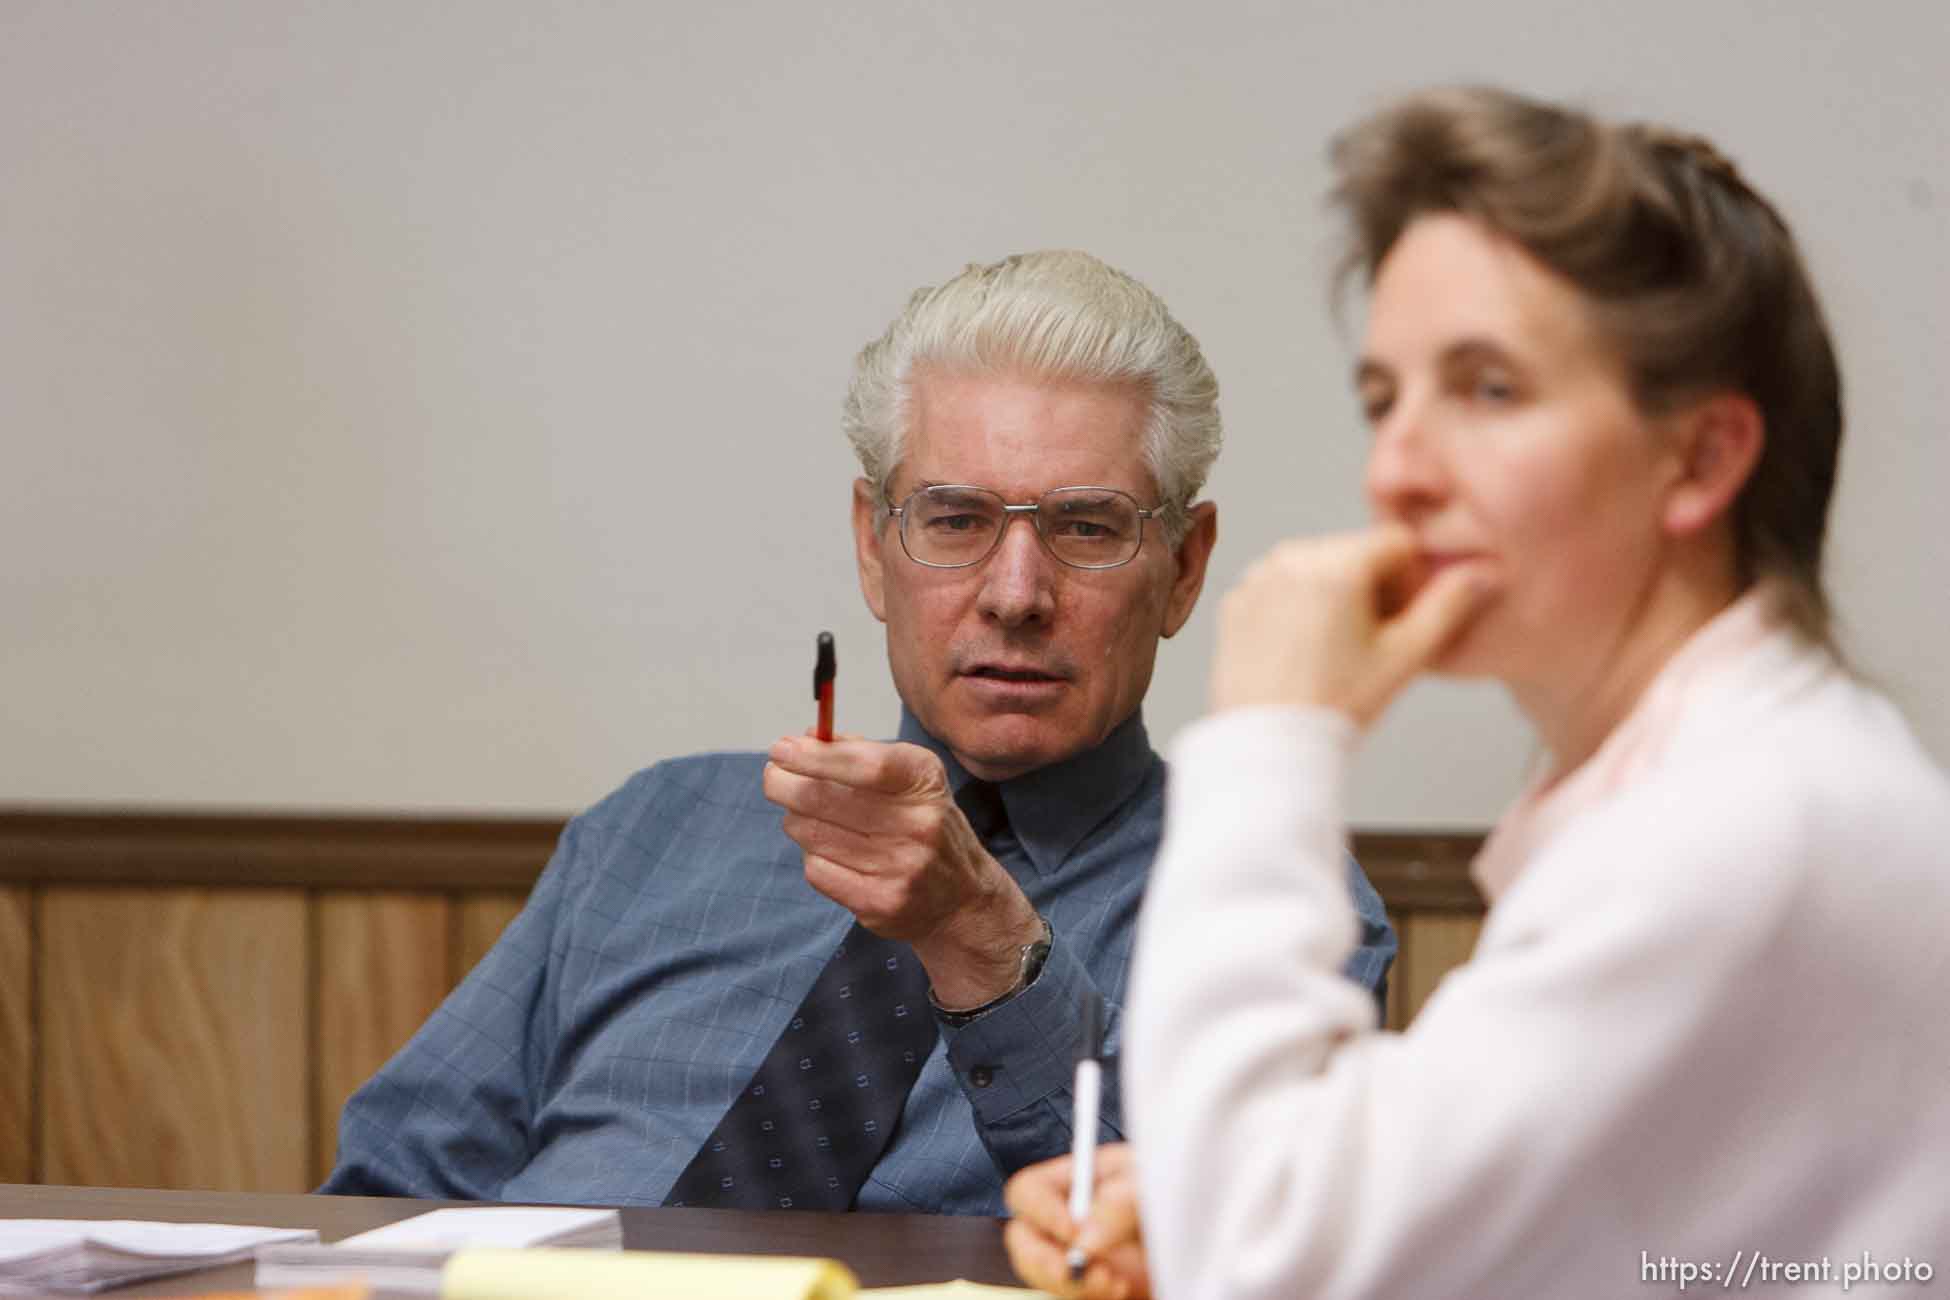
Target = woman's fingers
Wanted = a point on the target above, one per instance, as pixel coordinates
(1040, 1236)
(1340, 622)
(1040, 1196)
(1036, 1258)
(1413, 639)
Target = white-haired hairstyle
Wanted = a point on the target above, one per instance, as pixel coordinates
(1059, 315)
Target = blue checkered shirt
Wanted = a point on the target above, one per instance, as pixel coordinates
(673, 935)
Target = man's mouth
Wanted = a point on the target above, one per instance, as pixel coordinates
(995, 672)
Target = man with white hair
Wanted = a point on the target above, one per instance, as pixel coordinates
(854, 973)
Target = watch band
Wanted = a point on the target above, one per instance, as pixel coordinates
(1034, 954)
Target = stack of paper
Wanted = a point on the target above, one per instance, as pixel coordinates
(642, 1275)
(42, 1255)
(654, 1275)
(406, 1258)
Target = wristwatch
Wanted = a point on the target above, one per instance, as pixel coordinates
(1034, 954)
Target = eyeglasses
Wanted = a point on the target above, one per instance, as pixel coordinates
(955, 525)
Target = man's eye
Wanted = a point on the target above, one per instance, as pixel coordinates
(1085, 530)
(956, 523)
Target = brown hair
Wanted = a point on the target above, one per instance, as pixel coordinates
(1690, 274)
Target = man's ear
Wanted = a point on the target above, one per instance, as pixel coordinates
(1192, 555)
(866, 546)
(1718, 442)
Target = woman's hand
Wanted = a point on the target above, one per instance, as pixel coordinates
(1040, 1235)
(1340, 622)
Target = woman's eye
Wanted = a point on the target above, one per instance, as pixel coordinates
(1495, 387)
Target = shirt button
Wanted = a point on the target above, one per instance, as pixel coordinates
(981, 1076)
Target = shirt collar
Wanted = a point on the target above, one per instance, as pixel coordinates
(1052, 809)
(1637, 745)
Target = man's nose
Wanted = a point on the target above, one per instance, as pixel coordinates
(1018, 580)
(1406, 477)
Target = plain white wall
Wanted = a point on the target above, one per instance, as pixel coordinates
(417, 405)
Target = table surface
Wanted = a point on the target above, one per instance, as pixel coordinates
(883, 1249)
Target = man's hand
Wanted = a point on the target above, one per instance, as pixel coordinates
(1040, 1235)
(883, 839)
(1340, 623)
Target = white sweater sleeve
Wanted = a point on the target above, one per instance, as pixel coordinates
(1285, 1149)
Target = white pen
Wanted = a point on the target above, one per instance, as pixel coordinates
(1087, 1094)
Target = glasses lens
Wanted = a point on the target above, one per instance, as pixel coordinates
(951, 525)
(1092, 528)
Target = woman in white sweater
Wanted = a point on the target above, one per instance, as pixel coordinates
(1699, 1041)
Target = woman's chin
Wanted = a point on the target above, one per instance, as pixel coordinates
(1469, 655)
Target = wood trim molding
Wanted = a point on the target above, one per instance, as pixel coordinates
(1423, 870)
(311, 850)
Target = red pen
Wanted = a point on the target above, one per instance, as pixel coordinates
(824, 671)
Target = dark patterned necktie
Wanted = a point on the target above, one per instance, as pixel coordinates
(823, 1104)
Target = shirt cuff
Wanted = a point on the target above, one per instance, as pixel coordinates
(1025, 1049)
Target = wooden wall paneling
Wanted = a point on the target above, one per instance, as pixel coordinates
(197, 1022)
(17, 1050)
(1437, 942)
(482, 919)
(174, 1037)
(271, 850)
(1420, 871)
(1397, 974)
(383, 962)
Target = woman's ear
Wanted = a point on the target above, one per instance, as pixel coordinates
(1718, 441)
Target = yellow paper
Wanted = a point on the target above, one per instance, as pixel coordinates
(640, 1275)
(959, 1289)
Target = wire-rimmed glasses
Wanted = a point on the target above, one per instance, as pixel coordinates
(955, 525)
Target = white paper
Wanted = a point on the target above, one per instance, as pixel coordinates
(39, 1255)
(484, 1225)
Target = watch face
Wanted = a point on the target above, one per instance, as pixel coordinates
(1033, 957)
